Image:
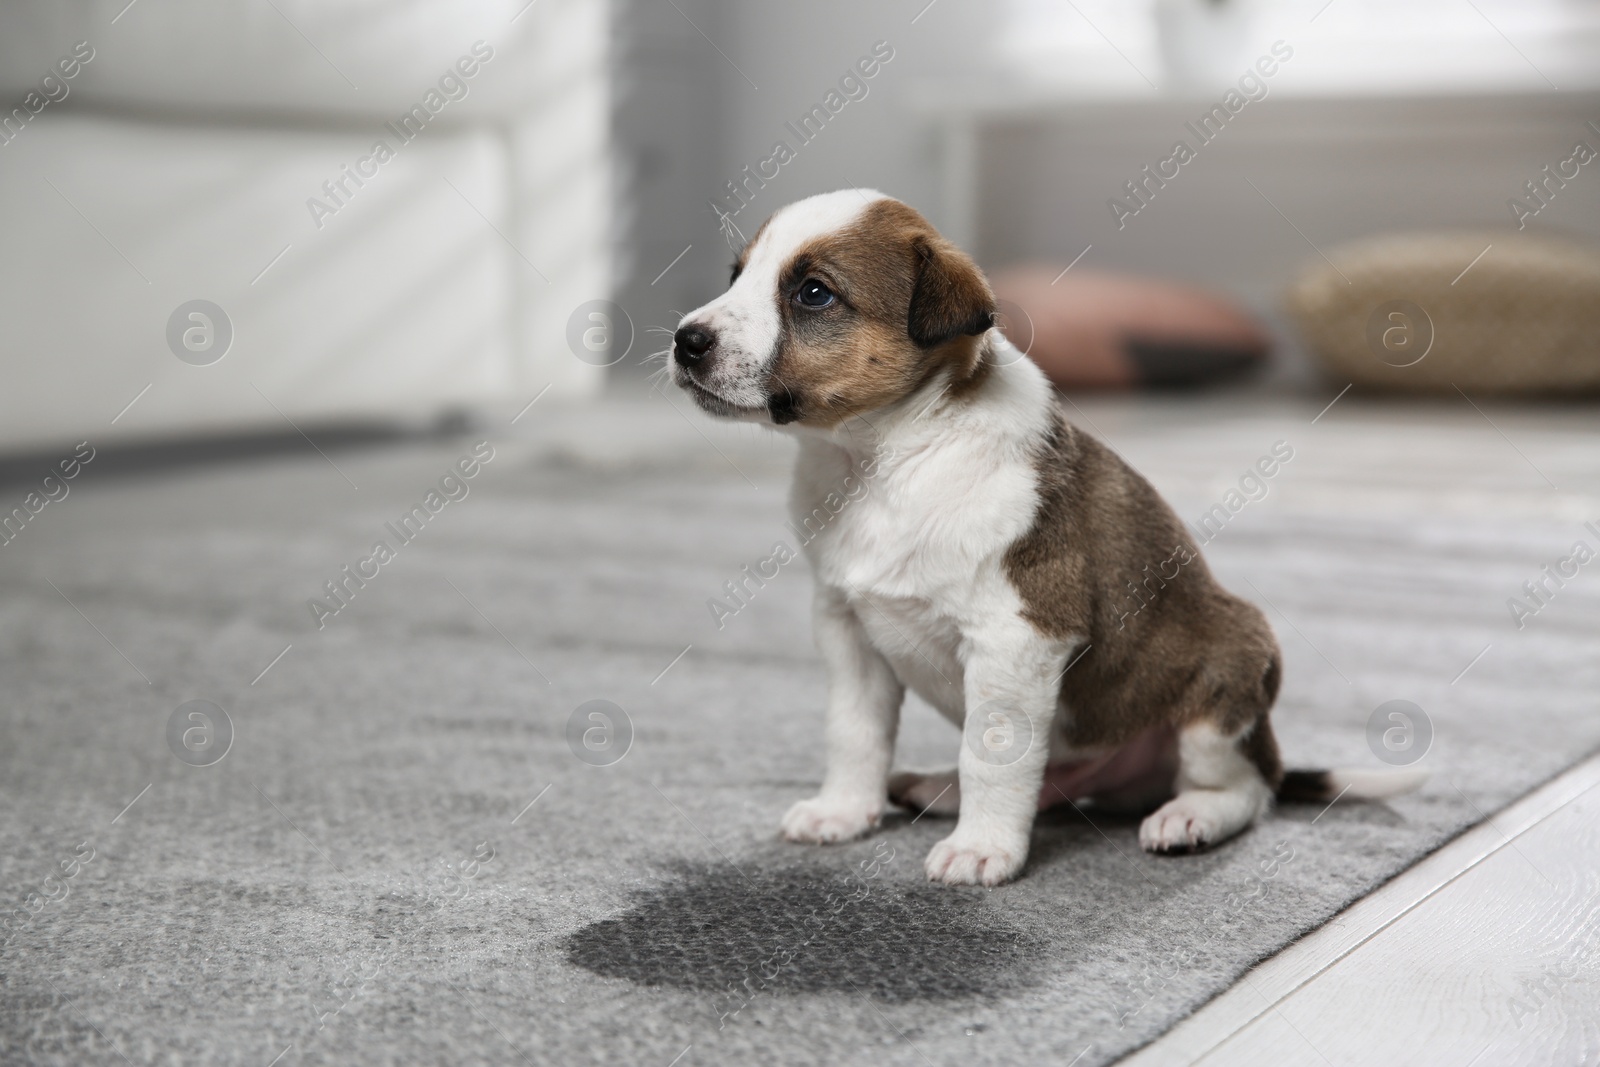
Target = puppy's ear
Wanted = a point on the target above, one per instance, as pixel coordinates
(950, 296)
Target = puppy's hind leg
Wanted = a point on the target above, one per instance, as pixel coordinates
(929, 792)
(1221, 788)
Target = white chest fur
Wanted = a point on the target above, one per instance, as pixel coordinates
(914, 529)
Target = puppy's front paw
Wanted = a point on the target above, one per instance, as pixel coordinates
(963, 860)
(1179, 825)
(826, 821)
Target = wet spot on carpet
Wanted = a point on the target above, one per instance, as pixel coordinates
(806, 930)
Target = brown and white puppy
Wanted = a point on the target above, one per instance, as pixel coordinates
(971, 544)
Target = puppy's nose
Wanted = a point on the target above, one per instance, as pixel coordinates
(690, 345)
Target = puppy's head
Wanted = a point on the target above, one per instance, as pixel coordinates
(841, 304)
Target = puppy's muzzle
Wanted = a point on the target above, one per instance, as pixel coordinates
(691, 347)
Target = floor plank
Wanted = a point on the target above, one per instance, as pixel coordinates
(1485, 953)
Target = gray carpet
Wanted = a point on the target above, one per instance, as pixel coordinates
(361, 879)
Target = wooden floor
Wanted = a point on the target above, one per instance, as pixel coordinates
(1486, 953)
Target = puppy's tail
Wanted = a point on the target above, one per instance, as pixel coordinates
(1321, 787)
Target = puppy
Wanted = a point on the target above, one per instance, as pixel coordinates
(969, 543)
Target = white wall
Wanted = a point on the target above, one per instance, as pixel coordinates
(1339, 170)
(797, 53)
(690, 121)
(670, 124)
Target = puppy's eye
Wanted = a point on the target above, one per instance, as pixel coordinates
(813, 294)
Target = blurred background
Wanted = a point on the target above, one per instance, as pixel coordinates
(557, 177)
(274, 271)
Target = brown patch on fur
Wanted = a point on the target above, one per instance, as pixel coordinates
(910, 306)
(1260, 746)
(950, 297)
(1107, 559)
(961, 387)
(1314, 787)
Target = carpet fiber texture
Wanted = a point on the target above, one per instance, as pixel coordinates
(409, 835)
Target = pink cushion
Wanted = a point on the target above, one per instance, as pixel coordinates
(1102, 330)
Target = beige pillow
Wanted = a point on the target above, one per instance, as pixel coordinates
(1435, 311)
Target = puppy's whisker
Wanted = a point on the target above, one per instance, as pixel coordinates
(876, 433)
(937, 397)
